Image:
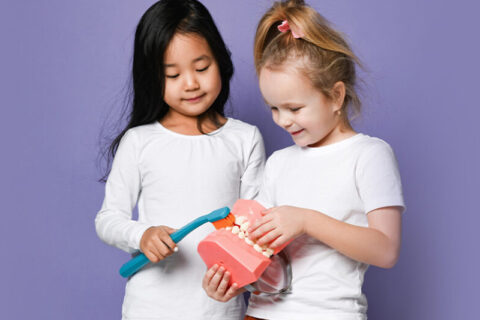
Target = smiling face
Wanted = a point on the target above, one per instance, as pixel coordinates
(299, 108)
(192, 77)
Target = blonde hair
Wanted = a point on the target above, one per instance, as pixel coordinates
(329, 57)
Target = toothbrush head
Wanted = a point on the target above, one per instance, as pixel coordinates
(221, 218)
(228, 221)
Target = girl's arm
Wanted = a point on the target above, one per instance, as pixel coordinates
(378, 244)
(113, 223)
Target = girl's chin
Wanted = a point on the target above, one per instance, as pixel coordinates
(305, 144)
(301, 143)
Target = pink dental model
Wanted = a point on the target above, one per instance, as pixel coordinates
(231, 248)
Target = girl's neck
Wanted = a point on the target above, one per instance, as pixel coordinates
(340, 132)
(189, 125)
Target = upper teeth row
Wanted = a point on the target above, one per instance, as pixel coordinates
(240, 229)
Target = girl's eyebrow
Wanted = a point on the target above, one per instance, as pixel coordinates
(202, 57)
(284, 105)
(290, 104)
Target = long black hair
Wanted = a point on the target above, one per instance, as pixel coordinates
(154, 32)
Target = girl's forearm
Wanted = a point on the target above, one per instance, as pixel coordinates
(365, 244)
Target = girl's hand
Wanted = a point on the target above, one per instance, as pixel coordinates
(215, 284)
(278, 225)
(156, 243)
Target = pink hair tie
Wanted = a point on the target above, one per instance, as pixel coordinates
(284, 27)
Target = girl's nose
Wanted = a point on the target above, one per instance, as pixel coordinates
(191, 82)
(284, 120)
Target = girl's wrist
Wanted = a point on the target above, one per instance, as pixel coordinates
(311, 222)
(306, 220)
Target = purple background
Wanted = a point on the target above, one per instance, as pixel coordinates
(63, 70)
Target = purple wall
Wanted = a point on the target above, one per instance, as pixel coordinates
(63, 67)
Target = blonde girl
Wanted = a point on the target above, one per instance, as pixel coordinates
(336, 192)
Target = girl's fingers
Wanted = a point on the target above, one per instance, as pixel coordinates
(215, 283)
(267, 211)
(151, 256)
(277, 242)
(231, 292)
(168, 242)
(259, 222)
(268, 237)
(209, 275)
(217, 277)
(223, 286)
(157, 240)
(170, 230)
(162, 248)
(166, 250)
(152, 247)
(164, 236)
(261, 230)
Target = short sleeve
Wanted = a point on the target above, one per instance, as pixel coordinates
(252, 175)
(378, 178)
(265, 197)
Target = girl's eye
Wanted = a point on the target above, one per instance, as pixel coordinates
(172, 76)
(203, 69)
(274, 108)
(295, 109)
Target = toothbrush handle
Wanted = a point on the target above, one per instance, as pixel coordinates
(137, 263)
(132, 266)
(185, 230)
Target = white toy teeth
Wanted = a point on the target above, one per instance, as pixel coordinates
(240, 229)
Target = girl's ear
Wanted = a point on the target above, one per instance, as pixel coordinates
(338, 94)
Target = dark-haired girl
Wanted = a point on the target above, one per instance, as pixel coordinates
(179, 157)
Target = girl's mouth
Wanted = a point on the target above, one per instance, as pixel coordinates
(296, 132)
(195, 99)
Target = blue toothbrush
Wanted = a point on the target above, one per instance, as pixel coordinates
(223, 214)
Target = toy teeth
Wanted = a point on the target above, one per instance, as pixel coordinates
(231, 248)
(240, 228)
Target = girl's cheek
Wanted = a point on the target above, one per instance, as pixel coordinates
(275, 118)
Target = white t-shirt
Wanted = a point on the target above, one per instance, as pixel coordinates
(174, 179)
(344, 180)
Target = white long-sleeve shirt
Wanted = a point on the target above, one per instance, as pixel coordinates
(173, 179)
